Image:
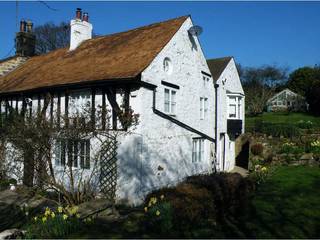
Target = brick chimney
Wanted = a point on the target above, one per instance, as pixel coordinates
(81, 29)
(25, 40)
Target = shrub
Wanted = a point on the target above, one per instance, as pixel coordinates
(305, 124)
(54, 224)
(257, 149)
(281, 129)
(260, 173)
(315, 147)
(291, 148)
(190, 204)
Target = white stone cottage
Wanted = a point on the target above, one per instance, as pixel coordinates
(229, 110)
(286, 100)
(159, 71)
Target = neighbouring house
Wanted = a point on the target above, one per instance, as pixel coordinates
(159, 71)
(287, 100)
(230, 113)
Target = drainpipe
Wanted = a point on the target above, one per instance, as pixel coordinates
(216, 126)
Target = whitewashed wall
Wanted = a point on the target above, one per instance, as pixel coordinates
(229, 81)
(162, 150)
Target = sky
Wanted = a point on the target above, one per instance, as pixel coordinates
(255, 33)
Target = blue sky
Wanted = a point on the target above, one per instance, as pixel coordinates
(255, 33)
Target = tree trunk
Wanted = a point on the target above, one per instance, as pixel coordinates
(28, 168)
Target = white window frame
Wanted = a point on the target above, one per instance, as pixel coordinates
(236, 105)
(75, 152)
(198, 150)
(170, 103)
(203, 108)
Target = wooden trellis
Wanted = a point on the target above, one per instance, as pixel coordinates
(108, 169)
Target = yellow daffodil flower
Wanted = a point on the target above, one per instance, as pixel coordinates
(60, 209)
(44, 219)
(64, 216)
(146, 209)
(157, 212)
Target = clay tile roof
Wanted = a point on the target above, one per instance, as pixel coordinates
(217, 65)
(117, 56)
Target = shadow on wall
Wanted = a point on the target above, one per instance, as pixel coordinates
(147, 165)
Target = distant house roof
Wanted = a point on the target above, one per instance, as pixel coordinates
(117, 56)
(217, 65)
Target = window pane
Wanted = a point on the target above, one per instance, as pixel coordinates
(232, 111)
(201, 108)
(57, 153)
(166, 100)
(173, 102)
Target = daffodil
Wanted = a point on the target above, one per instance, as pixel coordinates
(263, 169)
(157, 212)
(60, 209)
(64, 216)
(35, 219)
(146, 209)
(162, 197)
(44, 219)
(47, 212)
(77, 215)
(53, 215)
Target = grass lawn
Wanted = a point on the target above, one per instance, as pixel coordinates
(287, 205)
(280, 117)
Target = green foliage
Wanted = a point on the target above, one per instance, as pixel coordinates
(5, 183)
(159, 215)
(301, 79)
(257, 149)
(277, 130)
(291, 148)
(54, 224)
(305, 124)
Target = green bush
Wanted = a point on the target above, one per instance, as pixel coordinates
(291, 148)
(305, 124)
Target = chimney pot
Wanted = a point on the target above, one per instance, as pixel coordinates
(85, 17)
(22, 26)
(78, 13)
(29, 26)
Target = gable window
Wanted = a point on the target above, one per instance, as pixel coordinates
(170, 101)
(197, 150)
(167, 66)
(235, 107)
(203, 108)
(205, 80)
(75, 153)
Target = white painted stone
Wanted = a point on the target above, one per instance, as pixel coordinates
(79, 32)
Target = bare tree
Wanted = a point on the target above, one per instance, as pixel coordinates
(50, 37)
(259, 85)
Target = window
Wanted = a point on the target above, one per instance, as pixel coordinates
(167, 66)
(197, 150)
(205, 80)
(74, 152)
(170, 101)
(203, 108)
(235, 107)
